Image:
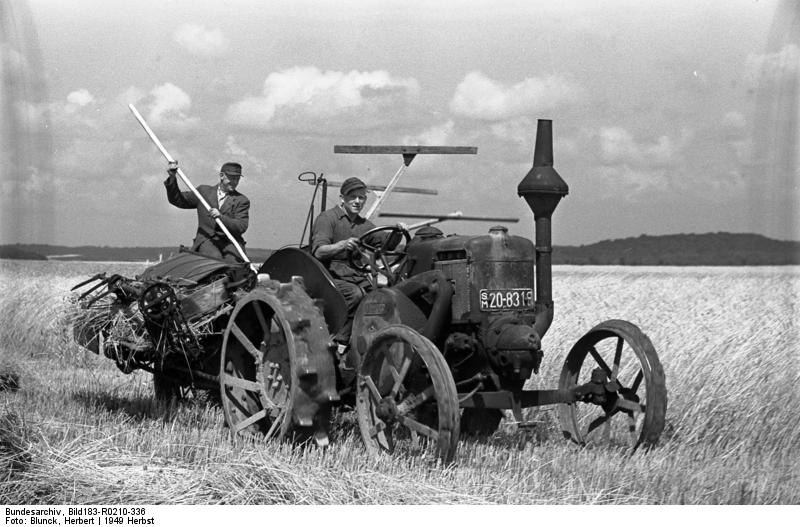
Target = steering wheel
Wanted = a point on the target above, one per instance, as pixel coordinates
(374, 259)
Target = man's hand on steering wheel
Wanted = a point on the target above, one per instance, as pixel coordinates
(348, 245)
(380, 256)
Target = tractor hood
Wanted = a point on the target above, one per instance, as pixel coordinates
(496, 246)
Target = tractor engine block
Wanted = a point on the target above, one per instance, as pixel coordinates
(513, 348)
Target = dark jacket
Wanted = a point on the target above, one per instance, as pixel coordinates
(235, 212)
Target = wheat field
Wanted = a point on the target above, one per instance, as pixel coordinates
(74, 429)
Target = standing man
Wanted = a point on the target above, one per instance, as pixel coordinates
(227, 204)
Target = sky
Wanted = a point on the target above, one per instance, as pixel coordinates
(668, 117)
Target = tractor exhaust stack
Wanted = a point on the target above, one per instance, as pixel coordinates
(542, 189)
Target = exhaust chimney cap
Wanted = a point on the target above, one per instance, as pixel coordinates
(542, 187)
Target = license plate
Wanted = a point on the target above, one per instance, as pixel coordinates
(500, 299)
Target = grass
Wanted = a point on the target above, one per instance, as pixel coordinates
(77, 430)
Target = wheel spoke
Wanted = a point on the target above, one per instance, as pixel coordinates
(373, 390)
(399, 376)
(250, 386)
(617, 357)
(599, 360)
(241, 337)
(276, 423)
(241, 425)
(630, 406)
(414, 400)
(637, 381)
(597, 422)
(418, 427)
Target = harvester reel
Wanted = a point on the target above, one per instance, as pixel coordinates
(626, 402)
(406, 398)
(277, 376)
(374, 259)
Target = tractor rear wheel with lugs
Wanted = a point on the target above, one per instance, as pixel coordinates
(277, 376)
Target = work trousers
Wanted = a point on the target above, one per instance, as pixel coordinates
(352, 293)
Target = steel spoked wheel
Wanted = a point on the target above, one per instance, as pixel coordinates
(406, 398)
(623, 395)
(276, 375)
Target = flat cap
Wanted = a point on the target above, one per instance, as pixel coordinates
(232, 169)
(351, 184)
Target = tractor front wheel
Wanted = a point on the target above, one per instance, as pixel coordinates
(623, 389)
(406, 399)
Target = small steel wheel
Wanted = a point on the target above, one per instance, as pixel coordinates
(276, 374)
(623, 394)
(406, 398)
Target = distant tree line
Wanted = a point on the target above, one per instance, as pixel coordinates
(720, 248)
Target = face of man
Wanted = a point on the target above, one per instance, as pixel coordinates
(354, 201)
(228, 183)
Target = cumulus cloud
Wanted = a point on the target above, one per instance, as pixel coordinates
(304, 97)
(169, 99)
(80, 97)
(198, 40)
(169, 106)
(480, 97)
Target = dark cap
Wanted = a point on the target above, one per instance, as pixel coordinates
(352, 183)
(232, 169)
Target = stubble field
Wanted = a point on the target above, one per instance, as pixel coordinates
(77, 430)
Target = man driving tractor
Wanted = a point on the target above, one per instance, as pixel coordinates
(335, 239)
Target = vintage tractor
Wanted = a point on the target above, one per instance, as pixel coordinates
(451, 332)
(442, 345)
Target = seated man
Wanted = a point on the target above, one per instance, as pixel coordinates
(334, 238)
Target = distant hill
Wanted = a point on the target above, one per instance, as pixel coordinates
(720, 248)
(15, 252)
